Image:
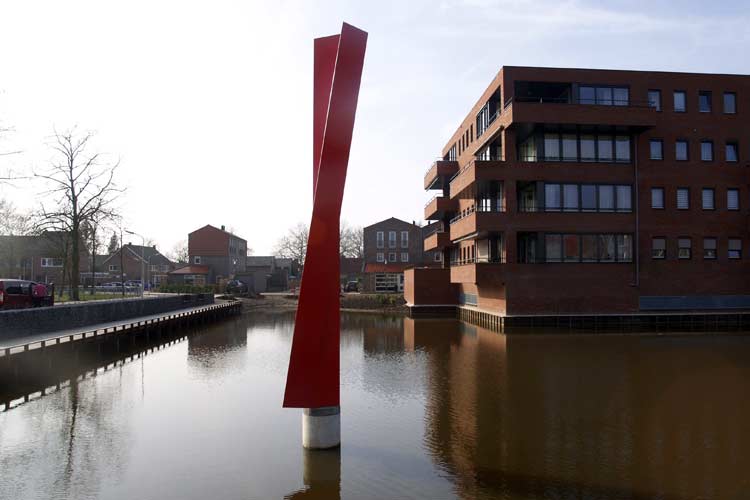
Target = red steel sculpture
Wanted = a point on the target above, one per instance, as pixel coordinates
(313, 377)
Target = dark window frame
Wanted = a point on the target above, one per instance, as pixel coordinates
(653, 240)
(730, 250)
(663, 198)
(739, 200)
(689, 248)
(715, 249)
(713, 197)
(723, 102)
(684, 95)
(658, 107)
(687, 149)
(736, 145)
(676, 198)
(713, 152)
(709, 95)
(661, 147)
(597, 244)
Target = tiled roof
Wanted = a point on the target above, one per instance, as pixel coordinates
(191, 269)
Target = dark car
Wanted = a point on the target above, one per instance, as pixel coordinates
(19, 294)
(237, 286)
(352, 286)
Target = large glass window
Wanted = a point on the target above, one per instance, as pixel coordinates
(571, 248)
(681, 150)
(654, 99)
(679, 101)
(730, 102)
(656, 149)
(658, 248)
(588, 198)
(709, 248)
(734, 248)
(621, 96)
(731, 152)
(704, 101)
(552, 198)
(684, 248)
(586, 95)
(604, 96)
(606, 248)
(707, 198)
(683, 198)
(622, 148)
(588, 147)
(553, 247)
(391, 239)
(588, 248)
(624, 248)
(570, 197)
(606, 198)
(624, 199)
(570, 147)
(552, 147)
(733, 199)
(604, 143)
(707, 150)
(657, 197)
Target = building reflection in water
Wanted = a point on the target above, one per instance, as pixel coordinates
(586, 416)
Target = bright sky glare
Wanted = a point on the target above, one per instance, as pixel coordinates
(209, 104)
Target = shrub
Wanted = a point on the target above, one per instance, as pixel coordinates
(174, 288)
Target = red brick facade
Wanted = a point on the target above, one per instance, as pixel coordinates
(552, 188)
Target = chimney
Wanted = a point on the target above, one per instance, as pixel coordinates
(223, 227)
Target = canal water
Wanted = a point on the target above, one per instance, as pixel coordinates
(430, 409)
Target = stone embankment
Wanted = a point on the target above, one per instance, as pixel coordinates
(353, 302)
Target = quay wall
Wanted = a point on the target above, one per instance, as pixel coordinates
(23, 322)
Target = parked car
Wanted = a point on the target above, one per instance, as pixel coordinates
(352, 286)
(237, 286)
(18, 294)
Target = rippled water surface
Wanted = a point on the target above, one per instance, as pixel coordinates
(430, 409)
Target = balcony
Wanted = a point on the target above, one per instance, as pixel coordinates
(438, 206)
(561, 111)
(475, 221)
(473, 171)
(439, 172)
(478, 272)
(437, 240)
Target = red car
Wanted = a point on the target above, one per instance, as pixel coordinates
(18, 294)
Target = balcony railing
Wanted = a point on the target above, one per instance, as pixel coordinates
(566, 100)
(478, 260)
(476, 208)
(433, 163)
(439, 227)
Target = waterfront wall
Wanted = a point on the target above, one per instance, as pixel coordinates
(23, 322)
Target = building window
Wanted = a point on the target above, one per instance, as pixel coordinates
(679, 101)
(731, 152)
(588, 198)
(392, 257)
(657, 197)
(734, 250)
(684, 248)
(438, 256)
(606, 198)
(552, 198)
(52, 262)
(153, 267)
(606, 248)
(681, 150)
(113, 268)
(683, 198)
(604, 96)
(733, 199)
(588, 147)
(730, 102)
(658, 248)
(570, 197)
(381, 257)
(391, 239)
(404, 239)
(604, 147)
(553, 247)
(709, 248)
(404, 256)
(656, 149)
(704, 101)
(552, 147)
(571, 244)
(196, 260)
(624, 199)
(654, 99)
(707, 198)
(624, 248)
(381, 239)
(707, 150)
(622, 148)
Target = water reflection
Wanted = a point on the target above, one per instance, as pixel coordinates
(586, 417)
(321, 473)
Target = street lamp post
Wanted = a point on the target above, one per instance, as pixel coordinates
(143, 260)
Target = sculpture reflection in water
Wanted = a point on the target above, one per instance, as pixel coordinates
(586, 416)
(321, 473)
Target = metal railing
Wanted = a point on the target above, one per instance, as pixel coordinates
(615, 103)
(476, 208)
(478, 260)
(433, 164)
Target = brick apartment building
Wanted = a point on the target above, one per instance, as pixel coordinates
(38, 257)
(574, 191)
(215, 254)
(390, 247)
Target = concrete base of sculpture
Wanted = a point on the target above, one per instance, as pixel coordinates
(321, 427)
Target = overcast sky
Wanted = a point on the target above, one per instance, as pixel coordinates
(209, 104)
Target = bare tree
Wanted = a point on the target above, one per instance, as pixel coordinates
(6, 173)
(13, 221)
(293, 245)
(114, 244)
(81, 190)
(179, 252)
(351, 241)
